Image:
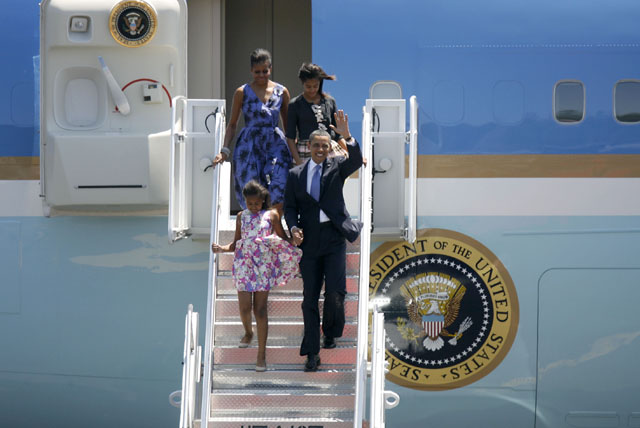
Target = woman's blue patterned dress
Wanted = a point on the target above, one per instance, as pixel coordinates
(261, 151)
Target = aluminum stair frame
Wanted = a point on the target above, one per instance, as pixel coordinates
(362, 366)
(216, 206)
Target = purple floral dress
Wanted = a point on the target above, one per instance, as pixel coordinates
(261, 152)
(262, 259)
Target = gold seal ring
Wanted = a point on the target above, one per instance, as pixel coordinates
(133, 23)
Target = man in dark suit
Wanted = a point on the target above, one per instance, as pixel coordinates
(317, 217)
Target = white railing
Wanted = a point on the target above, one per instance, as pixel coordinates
(192, 151)
(191, 371)
(212, 279)
(363, 288)
(413, 170)
(380, 400)
(178, 189)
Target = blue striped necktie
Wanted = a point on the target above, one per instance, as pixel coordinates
(315, 183)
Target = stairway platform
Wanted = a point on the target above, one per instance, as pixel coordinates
(282, 342)
(342, 420)
(229, 332)
(285, 377)
(272, 403)
(282, 355)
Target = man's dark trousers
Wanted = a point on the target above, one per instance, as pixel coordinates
(327, 261)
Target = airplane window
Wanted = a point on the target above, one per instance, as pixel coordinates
(568, 105)
(626, 101)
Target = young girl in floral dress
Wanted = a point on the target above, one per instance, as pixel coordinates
(264, 258)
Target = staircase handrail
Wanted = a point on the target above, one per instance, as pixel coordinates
(380, 400)
(190, 369)
(363, 285)
(212, 278)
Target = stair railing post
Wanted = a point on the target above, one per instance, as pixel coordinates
(377, 396)
(190, 370)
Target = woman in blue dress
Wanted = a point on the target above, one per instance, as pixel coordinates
(261, 151)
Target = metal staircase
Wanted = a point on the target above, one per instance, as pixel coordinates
(220, 384)
(284, 395)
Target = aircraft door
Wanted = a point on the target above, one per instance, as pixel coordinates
(108, 75)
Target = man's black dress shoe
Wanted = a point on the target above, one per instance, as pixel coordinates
(329, 343)
(313, 361)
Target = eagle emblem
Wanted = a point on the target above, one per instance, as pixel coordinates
(433, 303)
(133, 21)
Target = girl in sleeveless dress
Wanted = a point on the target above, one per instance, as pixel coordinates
(312, 109)
(264, 258)
(261, 151)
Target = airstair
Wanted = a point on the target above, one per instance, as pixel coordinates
(220, 384)
(283, 395)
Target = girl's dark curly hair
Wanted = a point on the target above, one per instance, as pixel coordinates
(253, 188)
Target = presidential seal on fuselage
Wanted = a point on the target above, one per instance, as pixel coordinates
(133, 23)
(453, 311)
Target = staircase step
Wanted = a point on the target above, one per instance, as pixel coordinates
(279, 307)
(225, 285)
(284, 377)
(230, 332)
(343, 420)
(279, 355)
(226, 402)
(288, 342)
(225, 263)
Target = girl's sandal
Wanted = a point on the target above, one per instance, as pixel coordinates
(245, 344)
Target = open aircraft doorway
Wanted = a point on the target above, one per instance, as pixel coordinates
(269, 25)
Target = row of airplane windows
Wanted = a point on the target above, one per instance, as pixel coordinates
(569, 101)
(508, 106)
